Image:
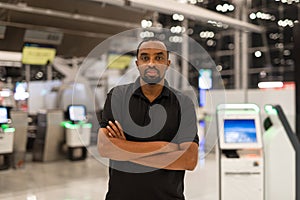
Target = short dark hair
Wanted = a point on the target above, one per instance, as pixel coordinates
(148, 40)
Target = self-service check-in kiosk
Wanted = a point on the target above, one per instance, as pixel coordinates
(282, 157)
(77, 132)
(240, 160)
(6, 139)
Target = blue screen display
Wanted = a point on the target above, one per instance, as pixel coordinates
(3, 115)
(239, 131)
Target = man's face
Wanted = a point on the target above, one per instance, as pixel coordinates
(152, 61)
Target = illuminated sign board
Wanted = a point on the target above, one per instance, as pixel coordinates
(116, 61)
(37, 55)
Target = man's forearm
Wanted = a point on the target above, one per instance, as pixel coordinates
(123, 150)
(185, 159)
(127, 150)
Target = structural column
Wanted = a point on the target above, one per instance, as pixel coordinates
(237, 51)
(185, 57)
(244, 50)
(297, 75)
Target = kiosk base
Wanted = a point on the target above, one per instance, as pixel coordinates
(5, 161)
(77, 153)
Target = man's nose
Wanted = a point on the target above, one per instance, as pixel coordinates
(152, 62)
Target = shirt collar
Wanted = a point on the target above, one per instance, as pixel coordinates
(138, 90)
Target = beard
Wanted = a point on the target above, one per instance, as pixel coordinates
(152, 80)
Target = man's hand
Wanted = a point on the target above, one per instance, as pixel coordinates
(115, 130)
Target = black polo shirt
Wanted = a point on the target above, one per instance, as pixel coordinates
(170, 117)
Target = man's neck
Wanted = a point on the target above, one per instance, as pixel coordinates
(152, 91)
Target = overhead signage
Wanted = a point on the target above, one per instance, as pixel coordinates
(116, 61)
(38, 55)
(43, 37)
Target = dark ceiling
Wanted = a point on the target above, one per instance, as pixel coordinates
(102, 20)
(79, 36)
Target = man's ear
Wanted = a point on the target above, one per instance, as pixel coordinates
(169, 63)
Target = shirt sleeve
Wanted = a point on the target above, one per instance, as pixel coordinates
(106, 114)
(188, 131)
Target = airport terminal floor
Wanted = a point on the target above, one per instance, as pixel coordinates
(87, 180)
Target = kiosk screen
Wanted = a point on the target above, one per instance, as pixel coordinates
(3, 115)
(76, 113)
(240, 131)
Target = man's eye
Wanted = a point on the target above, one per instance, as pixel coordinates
(144, 58)
(159, 57)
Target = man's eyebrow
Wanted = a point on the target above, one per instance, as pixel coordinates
(158, 53)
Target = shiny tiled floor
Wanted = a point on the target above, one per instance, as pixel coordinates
(87, 180)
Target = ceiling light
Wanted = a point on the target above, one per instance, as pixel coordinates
(146, 34)
(289, 1)
(219, 68)
(190, 31)
(286, 52)
(257, 54)
(231, 7)
(175, 16)
(225, 7)
(210, 43)
(146, 23)
(252, 16)
(206, 34)
(263, 74)
(258, 14)
(218, 24)
(5, 93)
(219, 7)
(178, 17)
(286, 22)
(177, 29)
(176, 39)
(270, 84)
(182, 1)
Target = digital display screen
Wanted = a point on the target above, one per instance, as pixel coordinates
(205, 79)
(77, 113)
(240, 131)
(3, 115)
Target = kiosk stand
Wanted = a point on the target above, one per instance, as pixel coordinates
(77, 132)
(6, 139)
(20, 123)
(49, 136)
(240, 160)
(282, 157)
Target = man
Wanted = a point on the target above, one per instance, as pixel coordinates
(149, 133)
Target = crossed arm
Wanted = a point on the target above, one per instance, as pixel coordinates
(159, 154)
